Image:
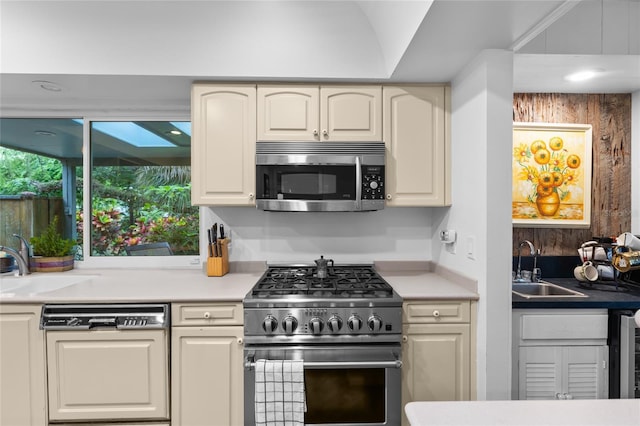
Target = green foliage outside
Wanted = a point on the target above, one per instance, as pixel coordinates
(51, 244)
(130, 205)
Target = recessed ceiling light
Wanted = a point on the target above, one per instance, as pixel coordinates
(44, 133)
(582, 75)
(48, 85)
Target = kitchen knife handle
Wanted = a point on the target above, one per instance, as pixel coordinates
(221, 231)
(210, 248)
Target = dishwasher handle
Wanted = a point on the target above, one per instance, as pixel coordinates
(103, 322)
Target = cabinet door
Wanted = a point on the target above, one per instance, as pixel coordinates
(288, 113)
(435, 363)
(417, 146)
(223, 145)
(107, 374)
(563, 372)
(540, 372)
(207, 376)
(351, 113)
(22, 367)
(586, 372)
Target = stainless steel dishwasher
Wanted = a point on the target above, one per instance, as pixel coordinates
(107, 362)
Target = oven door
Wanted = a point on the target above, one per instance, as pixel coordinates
(344, 385)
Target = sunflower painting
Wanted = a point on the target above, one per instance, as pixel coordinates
(551, 166)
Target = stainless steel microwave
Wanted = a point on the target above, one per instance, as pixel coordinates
(320, 176)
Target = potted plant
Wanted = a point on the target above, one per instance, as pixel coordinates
(52, 252)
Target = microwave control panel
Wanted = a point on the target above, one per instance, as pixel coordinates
(373, 182)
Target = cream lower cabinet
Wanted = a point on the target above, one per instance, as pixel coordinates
(22, 367)
(560, 354)
(437, 351)
(416, 134)
(223, 120)
(206, 365)
(319, 113)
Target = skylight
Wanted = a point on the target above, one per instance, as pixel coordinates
(184, 126)
(132, 134)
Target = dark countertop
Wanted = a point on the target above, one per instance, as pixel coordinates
(607, 299)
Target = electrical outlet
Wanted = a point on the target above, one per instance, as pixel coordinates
(448, 236)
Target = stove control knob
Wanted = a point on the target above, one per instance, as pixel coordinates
(354, 322)
(375, 323)
(289, 324)
(270, 324)
(316, 325)
(335, 323)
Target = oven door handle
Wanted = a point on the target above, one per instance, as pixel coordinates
(250, 364)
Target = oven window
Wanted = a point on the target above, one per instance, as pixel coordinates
(345, 396)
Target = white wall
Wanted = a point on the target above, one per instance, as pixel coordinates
(481, 122)
(635, 163)
(389, 234)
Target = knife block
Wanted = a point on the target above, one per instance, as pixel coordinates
(219, 266)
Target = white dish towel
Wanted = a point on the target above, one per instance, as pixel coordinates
(279, 398)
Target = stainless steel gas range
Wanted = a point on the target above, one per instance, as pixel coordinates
(344, 324)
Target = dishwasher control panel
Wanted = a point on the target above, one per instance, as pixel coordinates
(94, 316)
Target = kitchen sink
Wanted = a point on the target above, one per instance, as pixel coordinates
(543, 289)
(33, 284)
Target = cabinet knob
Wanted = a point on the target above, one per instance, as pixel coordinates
(436, 313)
(315, 132)
(251, 195)
(207, 315)
(325, 133)
(388, 196)
(405, 339)
(240, 341)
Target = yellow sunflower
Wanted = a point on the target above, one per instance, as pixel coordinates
(573, 161)
(545, 179)
(557, 161)
(537, 145)
(521, 153)
(542, 156)
(571, 176)
(528, 173)
(556, 143)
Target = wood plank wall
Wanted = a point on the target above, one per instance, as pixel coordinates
(610, 118)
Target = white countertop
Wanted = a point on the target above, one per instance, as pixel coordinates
(184, 285)
(592, 412)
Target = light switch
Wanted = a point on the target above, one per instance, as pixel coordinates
(471, 243)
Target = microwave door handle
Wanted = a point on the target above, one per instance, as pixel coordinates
(358, 183)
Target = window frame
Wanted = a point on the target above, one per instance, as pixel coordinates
(127, 262)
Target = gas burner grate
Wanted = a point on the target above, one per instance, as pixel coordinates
(340, 282)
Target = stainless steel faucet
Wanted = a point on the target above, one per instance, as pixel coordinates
(23, 266)
(518, 277)
(25, 249)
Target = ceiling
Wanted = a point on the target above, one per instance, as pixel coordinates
(128, 58)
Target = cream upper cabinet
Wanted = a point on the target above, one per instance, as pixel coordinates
(288, 113)
(437, 351)
(416, 133)
(223, 144)
(22, 367)
(319, 113)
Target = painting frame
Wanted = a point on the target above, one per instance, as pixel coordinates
(551, 175)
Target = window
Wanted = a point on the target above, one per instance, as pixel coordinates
(139, 191)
